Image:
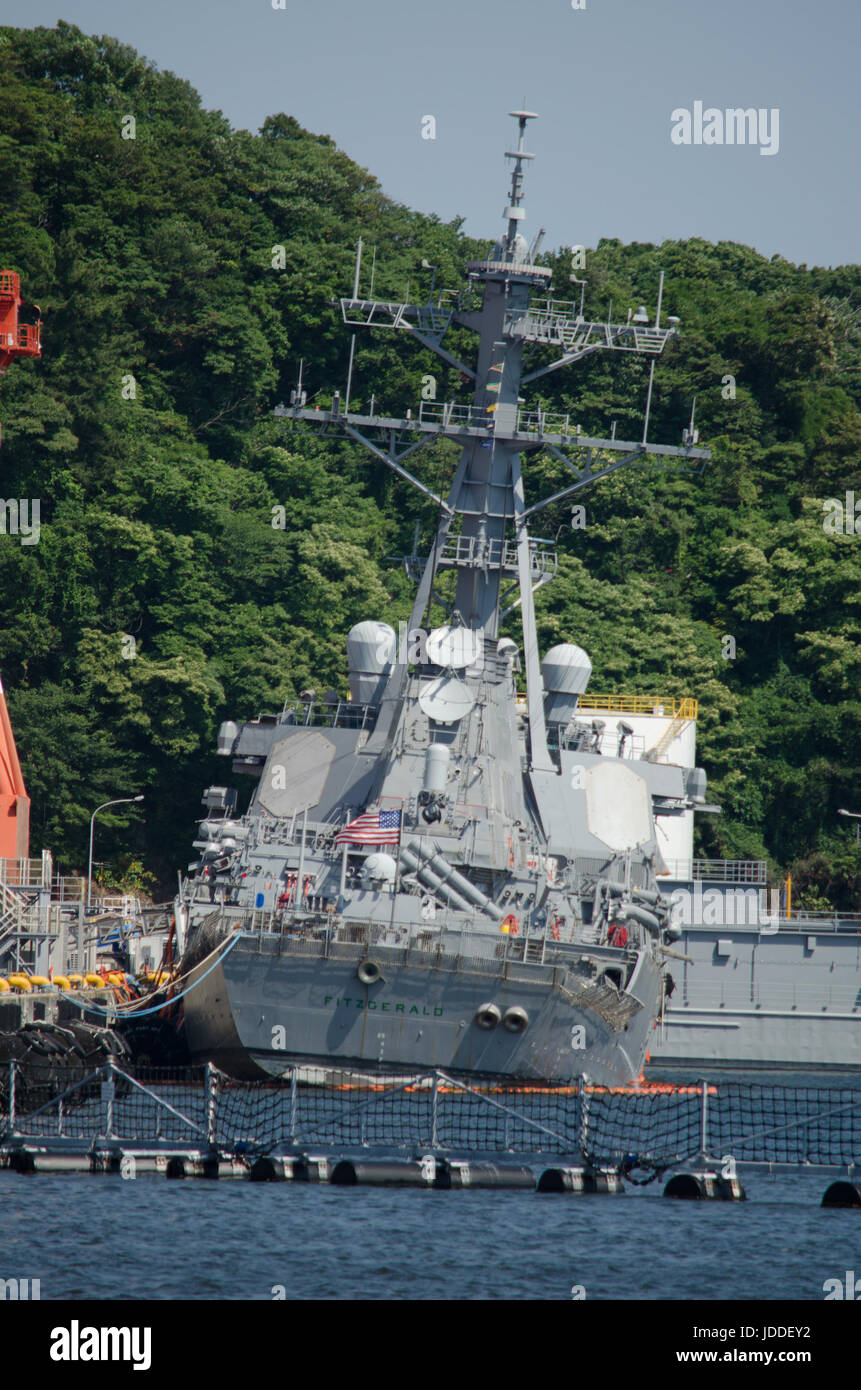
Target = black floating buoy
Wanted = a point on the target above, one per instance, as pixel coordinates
(384, 1172)
(842, 1194)
(267, 1169)
(311, 1168)
(270, 1168)
(704, 1187)
(463, 1174)
(580, 1180)
(42, 1161)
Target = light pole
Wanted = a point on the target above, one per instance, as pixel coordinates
(120, 801)
(856, 816)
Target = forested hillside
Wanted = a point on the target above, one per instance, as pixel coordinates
(171, 330)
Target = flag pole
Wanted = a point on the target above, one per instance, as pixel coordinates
(300, 896)
(397, 865)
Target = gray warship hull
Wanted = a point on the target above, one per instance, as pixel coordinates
(754, 998)
(272, 1004)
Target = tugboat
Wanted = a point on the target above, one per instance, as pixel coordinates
(438, 871)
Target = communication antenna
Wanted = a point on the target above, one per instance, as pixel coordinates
(648, 401)
(536, 242)
(690, 435)
(641, 312)
(514, 212)
(353, 339)
(297, 395)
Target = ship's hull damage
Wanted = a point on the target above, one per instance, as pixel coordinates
(271, 1004)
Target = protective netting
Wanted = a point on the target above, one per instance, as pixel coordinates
(165, 1104)
(785, 1124)
(424, 1114)
(657, 1127)
(647, 1128)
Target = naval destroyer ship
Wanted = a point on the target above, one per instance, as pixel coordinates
(440, 871)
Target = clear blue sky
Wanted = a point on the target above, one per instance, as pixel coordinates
(604, 81)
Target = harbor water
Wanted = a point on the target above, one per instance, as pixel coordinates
(87, 1237)
(107, 1238)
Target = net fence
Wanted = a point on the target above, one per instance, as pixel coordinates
(656, 1127)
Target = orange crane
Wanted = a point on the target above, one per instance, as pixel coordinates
(16, 339)
(14, 801)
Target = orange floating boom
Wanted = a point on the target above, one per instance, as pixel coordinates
(14, 801)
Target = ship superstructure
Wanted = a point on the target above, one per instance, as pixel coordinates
(755, 984)
(439, 871)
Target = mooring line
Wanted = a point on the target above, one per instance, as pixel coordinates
(156, 1008)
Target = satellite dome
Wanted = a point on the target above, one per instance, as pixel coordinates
(379, 869)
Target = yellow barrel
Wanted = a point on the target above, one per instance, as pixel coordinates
(76, 981)
(41, 980)
(21, 983)
(4, 986)
(95, 980)
(62, 982)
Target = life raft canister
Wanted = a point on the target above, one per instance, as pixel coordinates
(510, 925)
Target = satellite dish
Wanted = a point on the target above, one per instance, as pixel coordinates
(446, 700)
(454, 647)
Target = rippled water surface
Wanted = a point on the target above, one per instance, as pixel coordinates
(103, 1237)
(88, 1237)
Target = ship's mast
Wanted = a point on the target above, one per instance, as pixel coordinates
(487, 493)
(487, 498)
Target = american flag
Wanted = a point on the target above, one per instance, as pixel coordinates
(373, 828)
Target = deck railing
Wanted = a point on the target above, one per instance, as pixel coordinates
(664, 706)
(752, 871)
